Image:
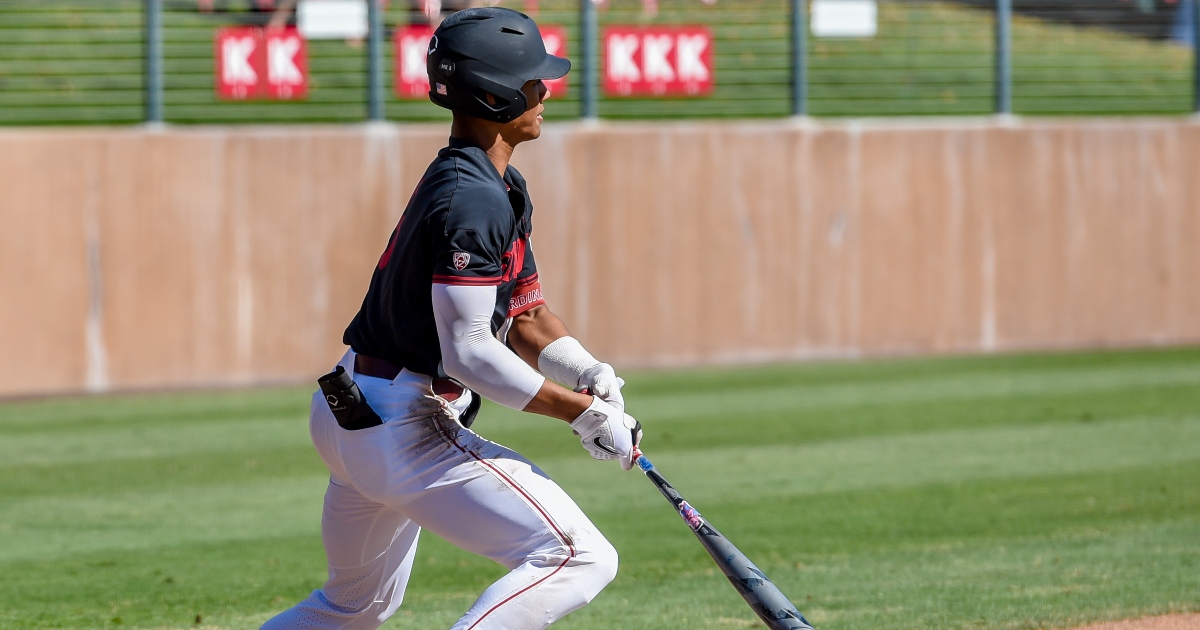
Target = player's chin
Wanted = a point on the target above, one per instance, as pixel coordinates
(534, 130)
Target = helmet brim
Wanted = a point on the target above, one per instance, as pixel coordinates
(552, 68)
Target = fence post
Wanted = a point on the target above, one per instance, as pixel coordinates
(589, 71)
(374, 61)
(152, 17)
(799, 58)
(1195, 54)
(1003, 56)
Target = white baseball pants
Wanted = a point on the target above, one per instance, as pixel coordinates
(422, 469)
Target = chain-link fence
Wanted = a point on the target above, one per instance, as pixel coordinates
(71, 62)
(1102, 56)
(925, 58)
(85, 61)
(337, 74)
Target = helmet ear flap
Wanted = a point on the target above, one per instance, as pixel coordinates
(472, 98)
(501, 109)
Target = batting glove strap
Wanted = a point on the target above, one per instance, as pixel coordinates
(606, 432)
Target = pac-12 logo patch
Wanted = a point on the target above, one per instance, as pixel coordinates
(461, 259)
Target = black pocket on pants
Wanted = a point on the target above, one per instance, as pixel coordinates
(346, 401)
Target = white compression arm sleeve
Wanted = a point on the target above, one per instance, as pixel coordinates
(564, 360)
(472, 355)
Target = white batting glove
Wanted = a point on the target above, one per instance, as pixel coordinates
(606, 432)
(601, 380)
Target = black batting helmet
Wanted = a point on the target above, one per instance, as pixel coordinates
(488, 50)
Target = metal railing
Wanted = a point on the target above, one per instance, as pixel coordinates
(128, 61)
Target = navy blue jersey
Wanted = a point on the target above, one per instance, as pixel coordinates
(465, 225)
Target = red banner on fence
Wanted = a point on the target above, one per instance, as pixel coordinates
(658, 61)
(240, 63)
(411, 79)
(555, 38)
(287, 64)
(253, 63)
(412, 46)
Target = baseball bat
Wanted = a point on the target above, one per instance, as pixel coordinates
(764, 598)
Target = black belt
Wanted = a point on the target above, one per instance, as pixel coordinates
(382, 368)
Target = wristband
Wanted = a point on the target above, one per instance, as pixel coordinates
(564, 360)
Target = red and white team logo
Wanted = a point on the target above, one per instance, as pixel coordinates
(517, 302)
(461, 259)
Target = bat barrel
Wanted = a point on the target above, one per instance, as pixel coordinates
(764, 598)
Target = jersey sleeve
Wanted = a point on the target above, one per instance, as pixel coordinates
(472, 244)
(528, 291)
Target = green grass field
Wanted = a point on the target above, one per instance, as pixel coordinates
(988, 492)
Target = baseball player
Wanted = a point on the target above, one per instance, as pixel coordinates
(455, 312)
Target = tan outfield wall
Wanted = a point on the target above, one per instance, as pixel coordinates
(133, 258)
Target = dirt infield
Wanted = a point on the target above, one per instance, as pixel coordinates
(1164, 622)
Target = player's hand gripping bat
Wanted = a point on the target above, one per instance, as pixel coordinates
(775, 609)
